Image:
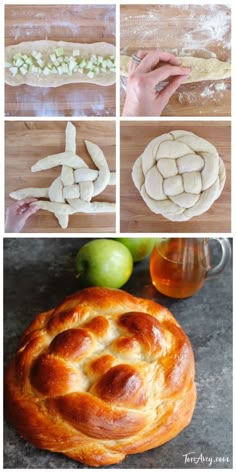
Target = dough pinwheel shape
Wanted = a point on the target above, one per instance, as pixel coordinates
(73, 190)
(179, 175)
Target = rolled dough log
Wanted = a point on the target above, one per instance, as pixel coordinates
(30, 192)
(201, 69)
(47, 47)
(92, 207)
(63, 158)
(100, 162)
(54, 207)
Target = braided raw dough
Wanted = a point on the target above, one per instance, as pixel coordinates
(179, 175)
(46, 47)
(103, 375)
(73, 190)
(201, 69)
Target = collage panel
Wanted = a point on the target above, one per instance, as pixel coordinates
(60, 60)
(104, 357)
(188, 63)
(118, 296)
(175, 177)
(65, 171)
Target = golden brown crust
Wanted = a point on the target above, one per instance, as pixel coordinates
(103, 375)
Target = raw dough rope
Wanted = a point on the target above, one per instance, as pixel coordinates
(179, 175)
(201, 69)
(73, 190)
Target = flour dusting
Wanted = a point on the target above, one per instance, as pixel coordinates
(184, 30)
(221, 86)
(207, 92)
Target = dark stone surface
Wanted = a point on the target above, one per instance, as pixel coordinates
(40, 272)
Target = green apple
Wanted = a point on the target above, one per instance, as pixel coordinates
(139, 247)
(104, 263)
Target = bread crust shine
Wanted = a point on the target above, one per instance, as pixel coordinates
(103, 375)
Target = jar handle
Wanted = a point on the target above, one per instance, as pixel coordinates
(225, 258)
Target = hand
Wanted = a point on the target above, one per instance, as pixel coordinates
(18, 213)
(142, 99)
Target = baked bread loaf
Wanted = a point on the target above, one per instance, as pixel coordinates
(103, 375)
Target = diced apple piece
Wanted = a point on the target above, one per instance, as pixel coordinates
(29, 60)
(89, 65)
(72, 64)
(60, 59)
(54, 70)
(95, 70)
(90, 74)
(100, 59)
(34, 69)
(19, 62)
(46, 71)
(23, 69)
(13, 70)
(81, 71)
(65, 68)
(53, 57)
(83, 63)
(18, 55)
(7, 65)
(66, 59)
(60, 70)
(109, 64)
(59, 52)
(76, 53)
(36, 55)
(40, 62)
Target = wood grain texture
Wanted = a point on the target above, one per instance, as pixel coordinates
(198, 30)
(135, 215)
(76, 23)
(27, 142)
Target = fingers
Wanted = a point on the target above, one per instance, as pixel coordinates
(26, 206)
(170, 89)
(33, 209)
(151, 59)
(25, 201)
(28, 212)
(134, 64)
(167, 71)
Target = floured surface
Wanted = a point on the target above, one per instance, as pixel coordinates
(135, 215)
(23, 150)
(70, 23)
(184, 30)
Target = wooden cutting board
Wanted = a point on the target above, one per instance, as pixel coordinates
(198, 30)
(76, 23)
(135, 215)
(29, 141)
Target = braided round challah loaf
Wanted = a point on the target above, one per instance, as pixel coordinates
(179, 175)
(103, 375)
